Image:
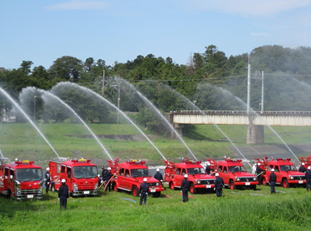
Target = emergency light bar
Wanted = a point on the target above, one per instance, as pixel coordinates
(24, 162)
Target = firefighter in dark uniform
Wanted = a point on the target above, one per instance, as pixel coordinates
(208, 168)
(219, 184)
(144, 189)
(158, 175)
(63, 194)
(302, 168)
(272, 181)
(47, 179)
(185, 186)
(259, 172)
(308, 178)
(107, 178)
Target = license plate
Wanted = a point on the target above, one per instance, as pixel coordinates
(86, 192)
(247, 183)
(29, 196)
(152, 190)
(300, 182)
(208, 186)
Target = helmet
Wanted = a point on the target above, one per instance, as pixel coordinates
(272, 170)
(158, 170)
(108, 168)
(309, 167)
(63, 180)
(258, 164)
(186, 175)
(47, 169)
(208, 163)
(145, 179)
(216, 174)
(303, 163)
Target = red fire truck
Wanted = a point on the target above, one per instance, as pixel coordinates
(286, 173)
(21, 180)
(234, 174)
(306, 161)
(174, 174)
(129, 176)
(80, 175)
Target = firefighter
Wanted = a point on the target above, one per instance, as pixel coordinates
(219, 184)
(47, 179)
(107, 179)
(185, 185)
(272, 181)
(63, 194)
(158, 175)
(308, 178)
(143, 192)
(302, 168)
(259, 173)
(208, 168)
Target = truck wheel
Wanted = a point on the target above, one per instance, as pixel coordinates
(135, 191)
(192, 189)
(172, 185)
(285, 183)
(231, 185)
(157, 194)
(253, 187)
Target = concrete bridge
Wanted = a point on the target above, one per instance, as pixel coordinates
(254, 120)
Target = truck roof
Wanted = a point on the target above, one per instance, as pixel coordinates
(133, 164)
(73, 163)
(188, 165)
(280, 162)
(230, 162)
(22, 164)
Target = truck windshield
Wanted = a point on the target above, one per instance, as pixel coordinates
(194, 171)
(287, 168)
(29, 174)
(141, 172)
(85, 172)
(236, 169)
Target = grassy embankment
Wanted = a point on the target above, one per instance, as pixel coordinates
(237, 210)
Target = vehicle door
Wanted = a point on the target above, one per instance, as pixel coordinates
(11, 180)
(1, 178)
(278, 173)
(223, 173)
(128, 180)
(6, 178)
(69, 178)
(121, 178)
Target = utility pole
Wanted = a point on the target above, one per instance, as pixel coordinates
(103, 83)
(262, 90)
(248, 85)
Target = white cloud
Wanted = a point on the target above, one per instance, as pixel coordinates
(250, 7)
(79, 5)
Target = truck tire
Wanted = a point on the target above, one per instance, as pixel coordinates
(157, 194)
(171, 184)
(231, 185)
(285, 183)
(253, 187)
(135, 191)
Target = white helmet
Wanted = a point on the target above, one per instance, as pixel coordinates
(158, 170)
(303, 163)
(208, 163)
(216, 174)
(63, 180)
(145, 179)
(108, 168)
(186, 175)
(309, 167)
(47, 169)
(272, 170)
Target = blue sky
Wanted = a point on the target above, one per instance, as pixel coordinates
(119, 30)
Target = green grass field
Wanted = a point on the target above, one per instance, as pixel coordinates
(238, 210)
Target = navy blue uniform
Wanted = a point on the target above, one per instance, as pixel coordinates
(308, 179)
(63, 194)
(158, 176)
(47, 179)
(185, 186)
(219, 184)
(144, 189)
(208, 169)
(302, 169)
(272, 181)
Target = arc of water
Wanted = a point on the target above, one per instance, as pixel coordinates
(30, 121)
(215, 125)
(116, 108)
(80, 119)
(147, 101)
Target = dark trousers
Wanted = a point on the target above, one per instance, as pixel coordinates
(218, 192)
(47, 186)
(63, 202)
(272, 187)
(108, 185)
(308, 185)
(184, 195)
(143, 198)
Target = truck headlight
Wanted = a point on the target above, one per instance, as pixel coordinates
(254, 178)
(18, 191)
(237, 179)
(198, 181)
(75, 187)
(157, 184)
(291, 177)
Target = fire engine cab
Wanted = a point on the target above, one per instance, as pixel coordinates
(80, 175)
(21, 180)
(234, 174)
(129, 176)
(174, 175)
(285, 171)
